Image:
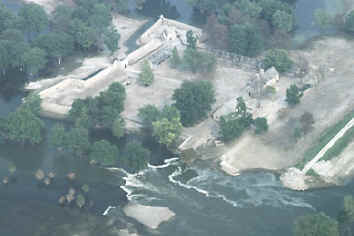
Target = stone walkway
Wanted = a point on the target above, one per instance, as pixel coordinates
(330, 144)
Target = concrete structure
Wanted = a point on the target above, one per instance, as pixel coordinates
(59, 93)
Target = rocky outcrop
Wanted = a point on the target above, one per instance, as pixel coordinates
(150, 216)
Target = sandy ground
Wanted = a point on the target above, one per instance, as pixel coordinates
(88, 67)
(335, 170)
(327, 101)
(150, 216)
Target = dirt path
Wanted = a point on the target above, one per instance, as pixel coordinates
(330, 144)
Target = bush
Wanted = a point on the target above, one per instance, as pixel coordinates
(146, 77)
(293, 95)
(279, 59)
(261, 125)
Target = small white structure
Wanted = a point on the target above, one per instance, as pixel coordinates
(270, 76)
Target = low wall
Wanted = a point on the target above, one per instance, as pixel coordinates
(143, 51)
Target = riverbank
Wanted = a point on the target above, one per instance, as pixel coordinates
(328, 100)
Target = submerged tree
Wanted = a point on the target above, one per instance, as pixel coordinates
(24, 126)
(104, 152)
(136, 157)
(316, 225)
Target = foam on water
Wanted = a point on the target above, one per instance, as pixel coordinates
(255, 189)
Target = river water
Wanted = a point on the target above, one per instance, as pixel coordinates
(206, 202)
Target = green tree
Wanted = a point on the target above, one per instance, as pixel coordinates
(57, 45)
(200, 62)
(149, 114)
(78, 141)
(234, 124)
(245, 40)
(279, 59)
(283, 21)
(191, 40)
(101, 111)
(323, 19)
(4, 56)
(13, 41)
(349, 22)
(111, 38)
(24, 126)
(146, 76)
(269, 8)
(7, 18)
(104, 152)
(33, 103)
(261, 125)
(136, 157)
(194, 100)
(62, 17)
(316, 225)
(58, 137)
(85, 36)
(32, 19)
(167, 131)
(293, 95)
(118, 127)
(252, 9)
(175, 59)
(34, 60)
(100, 17)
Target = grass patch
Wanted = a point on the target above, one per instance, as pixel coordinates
(312, 173)
(325, 137)
(340, 145)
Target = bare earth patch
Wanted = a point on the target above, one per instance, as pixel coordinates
(331, 97)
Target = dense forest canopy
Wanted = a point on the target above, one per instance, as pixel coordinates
(247, 27)
(30, 39)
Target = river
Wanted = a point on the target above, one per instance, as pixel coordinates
(206, 203)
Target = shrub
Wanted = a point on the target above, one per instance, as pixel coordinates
(146, 77)
(293, 95)
(261, 125)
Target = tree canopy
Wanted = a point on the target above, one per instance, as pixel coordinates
(135, 157)
(104, 152)
(234, 124)
(101, 111)
(279, 59)
(194, 100)
(293, 95)
(316, 225)
(247, 27)
(24, 125)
